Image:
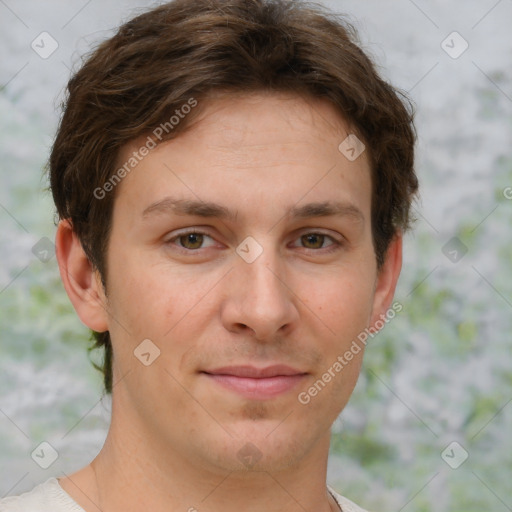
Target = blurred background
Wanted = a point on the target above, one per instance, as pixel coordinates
(430, 424)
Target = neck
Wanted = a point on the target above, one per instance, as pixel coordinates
(133, 479)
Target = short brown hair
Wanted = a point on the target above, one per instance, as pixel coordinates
(159, 60)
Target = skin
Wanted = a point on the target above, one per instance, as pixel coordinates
(175, 434)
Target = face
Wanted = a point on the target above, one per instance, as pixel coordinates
(242, 250)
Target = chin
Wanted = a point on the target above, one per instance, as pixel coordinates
(269, 448)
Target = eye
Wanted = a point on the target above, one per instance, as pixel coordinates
(316, 241)
(192, 240)
(313, 240)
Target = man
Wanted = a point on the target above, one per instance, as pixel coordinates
(233, 181)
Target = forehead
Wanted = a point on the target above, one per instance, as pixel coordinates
(275, 145)
(245, 122)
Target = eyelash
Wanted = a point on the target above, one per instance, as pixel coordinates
(332, 247)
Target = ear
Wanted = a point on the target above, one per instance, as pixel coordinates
(387, 279)
(82, 282)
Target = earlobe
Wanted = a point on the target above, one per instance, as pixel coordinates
(80, 279)
(387, 278)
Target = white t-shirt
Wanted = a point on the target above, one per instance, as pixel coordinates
(51, 497)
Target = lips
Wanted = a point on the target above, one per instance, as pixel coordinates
(256, 383)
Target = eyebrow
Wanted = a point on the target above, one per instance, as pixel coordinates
(210, 209)
(326, 209)
(189, 207)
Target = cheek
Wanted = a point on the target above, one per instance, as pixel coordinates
(158, 303)
(135, 305)
(344, 303)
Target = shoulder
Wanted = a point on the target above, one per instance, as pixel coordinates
(46, 497)
(345, 504)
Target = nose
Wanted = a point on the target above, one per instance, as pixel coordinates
(259, 299)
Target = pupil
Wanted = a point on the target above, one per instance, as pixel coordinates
(314, 240)
(192, 240)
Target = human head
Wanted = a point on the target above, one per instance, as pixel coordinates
(182, 53)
